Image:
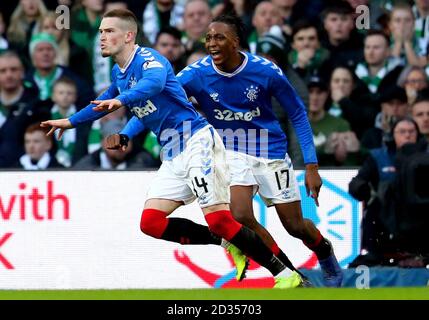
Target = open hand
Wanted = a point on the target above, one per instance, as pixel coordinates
(107, 105)
(61, 124)
(313, 182)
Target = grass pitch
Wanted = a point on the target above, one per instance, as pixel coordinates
(421, 293)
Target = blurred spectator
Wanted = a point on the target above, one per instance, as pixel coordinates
(405, 45)
(61, 35)
(3, 42)
(420, 113)
(285, 8)
(159, 14)
(375, 184)
(421, 26)
(413, 79)
(394, 105)
(272, 46)
(18, 107)
(378, 69)
(196, 19)
(264, 17)
(195, 56)
(115, 4)
(43, 51)
(341, 86)
(37, 150)
(76, 142)
(421, 9)
(335, 143)
(85, 21)
(307, 57)
(169, 45)
(116, 159)
(350, 101)
(24, 22)
(241, 8)
(343, 42)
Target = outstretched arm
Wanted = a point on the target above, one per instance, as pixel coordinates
(61, 124)
(88, 113)
(84, 115)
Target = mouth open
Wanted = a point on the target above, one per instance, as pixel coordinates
(215, 54)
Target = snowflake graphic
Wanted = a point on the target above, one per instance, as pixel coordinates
(252, 93)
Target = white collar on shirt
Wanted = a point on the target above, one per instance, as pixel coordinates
(130, 58)
(238, 70)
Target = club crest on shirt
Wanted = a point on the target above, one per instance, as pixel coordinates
(132, 82)
(252, 93)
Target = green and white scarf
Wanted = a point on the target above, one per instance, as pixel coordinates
(151, 145)
(45, 84)
(151, 21)
(421, 29)
(335, 110)
(372, 82)
(252, 40)
(320, 56)
(4, 112)
(102, 67)
(95, 137)
(65, 146)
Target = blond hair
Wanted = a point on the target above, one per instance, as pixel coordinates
(18, 27)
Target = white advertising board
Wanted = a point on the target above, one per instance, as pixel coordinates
(73, 230)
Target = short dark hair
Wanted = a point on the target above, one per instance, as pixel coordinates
(234, 22)
(67, 81)
(172, 31)
(36, 127)
(304, 24)
(422, 96)
(376, 32)
(405, 119)
(123, 14)
(11, 54)
(339, 7)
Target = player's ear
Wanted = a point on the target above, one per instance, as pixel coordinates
(130, 36)
(236, 42)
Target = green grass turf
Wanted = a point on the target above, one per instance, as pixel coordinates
(421, 293)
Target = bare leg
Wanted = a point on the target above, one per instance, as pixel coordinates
(290, 215)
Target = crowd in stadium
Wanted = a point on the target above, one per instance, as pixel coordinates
(355, 81)
(359, 82)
